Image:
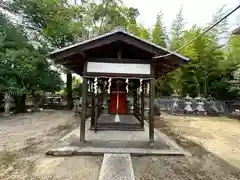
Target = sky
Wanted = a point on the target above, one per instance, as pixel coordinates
(199, 12)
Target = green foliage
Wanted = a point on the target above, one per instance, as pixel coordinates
(210, 70)
(235, 83)
(139, 30)
(177, 31)
(158, 32)
(56, 23)
(108, 14)
(23, 68)
(77, 87)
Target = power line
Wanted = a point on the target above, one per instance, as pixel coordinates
(204, 32)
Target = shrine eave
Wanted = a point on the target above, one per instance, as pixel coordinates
(107, 46)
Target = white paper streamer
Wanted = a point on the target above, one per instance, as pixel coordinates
(109, 85)
(140, 87)
(95, 86)
(127, 85)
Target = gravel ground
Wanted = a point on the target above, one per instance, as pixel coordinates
(24, 140)
(202, 165)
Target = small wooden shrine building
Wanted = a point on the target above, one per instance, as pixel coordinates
(118, 71)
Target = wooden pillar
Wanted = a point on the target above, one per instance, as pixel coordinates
(93, 107)
(96, 98)
(134, 102)
(83, 110)
(151, 111)
(142, 104)
(96, 111)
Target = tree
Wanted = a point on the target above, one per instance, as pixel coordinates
(177, 31)
(54, 23)
(139, 31)
(77, 87)
(23, 68)
(172, 81)
(158, 32)
(235, 83)
(103, 17)
(58, 23)
(220, 31)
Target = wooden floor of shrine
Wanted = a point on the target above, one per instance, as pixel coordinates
(127, 122)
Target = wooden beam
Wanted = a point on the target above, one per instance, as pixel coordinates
(117, 75)
(61, 55)
(142, 45)
(119, 52)
(96, 43)
(123, 60)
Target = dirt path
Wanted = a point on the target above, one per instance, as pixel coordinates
(190, 132)
(24, 140)
(219, 135)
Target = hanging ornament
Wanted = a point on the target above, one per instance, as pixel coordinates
(127, 85)
(95, 85)
(109, 85)
(89, 86)
(140, 86)
(148, 87)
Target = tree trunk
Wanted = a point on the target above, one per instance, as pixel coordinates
(69, 90)
(20, 103)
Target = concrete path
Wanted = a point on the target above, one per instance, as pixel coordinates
(117, 167)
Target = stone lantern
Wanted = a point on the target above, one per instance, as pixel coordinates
(200, 105)
(188, 109)
(175, 106)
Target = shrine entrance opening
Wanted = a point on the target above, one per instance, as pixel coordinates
(118, 98)
(118, 72)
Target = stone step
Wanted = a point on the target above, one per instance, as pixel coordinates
(120, 127)
(116, 167)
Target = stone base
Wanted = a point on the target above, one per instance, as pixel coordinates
(188, 112)
(92, 151)
(6, 114)
(135, 143)
(199, 113)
